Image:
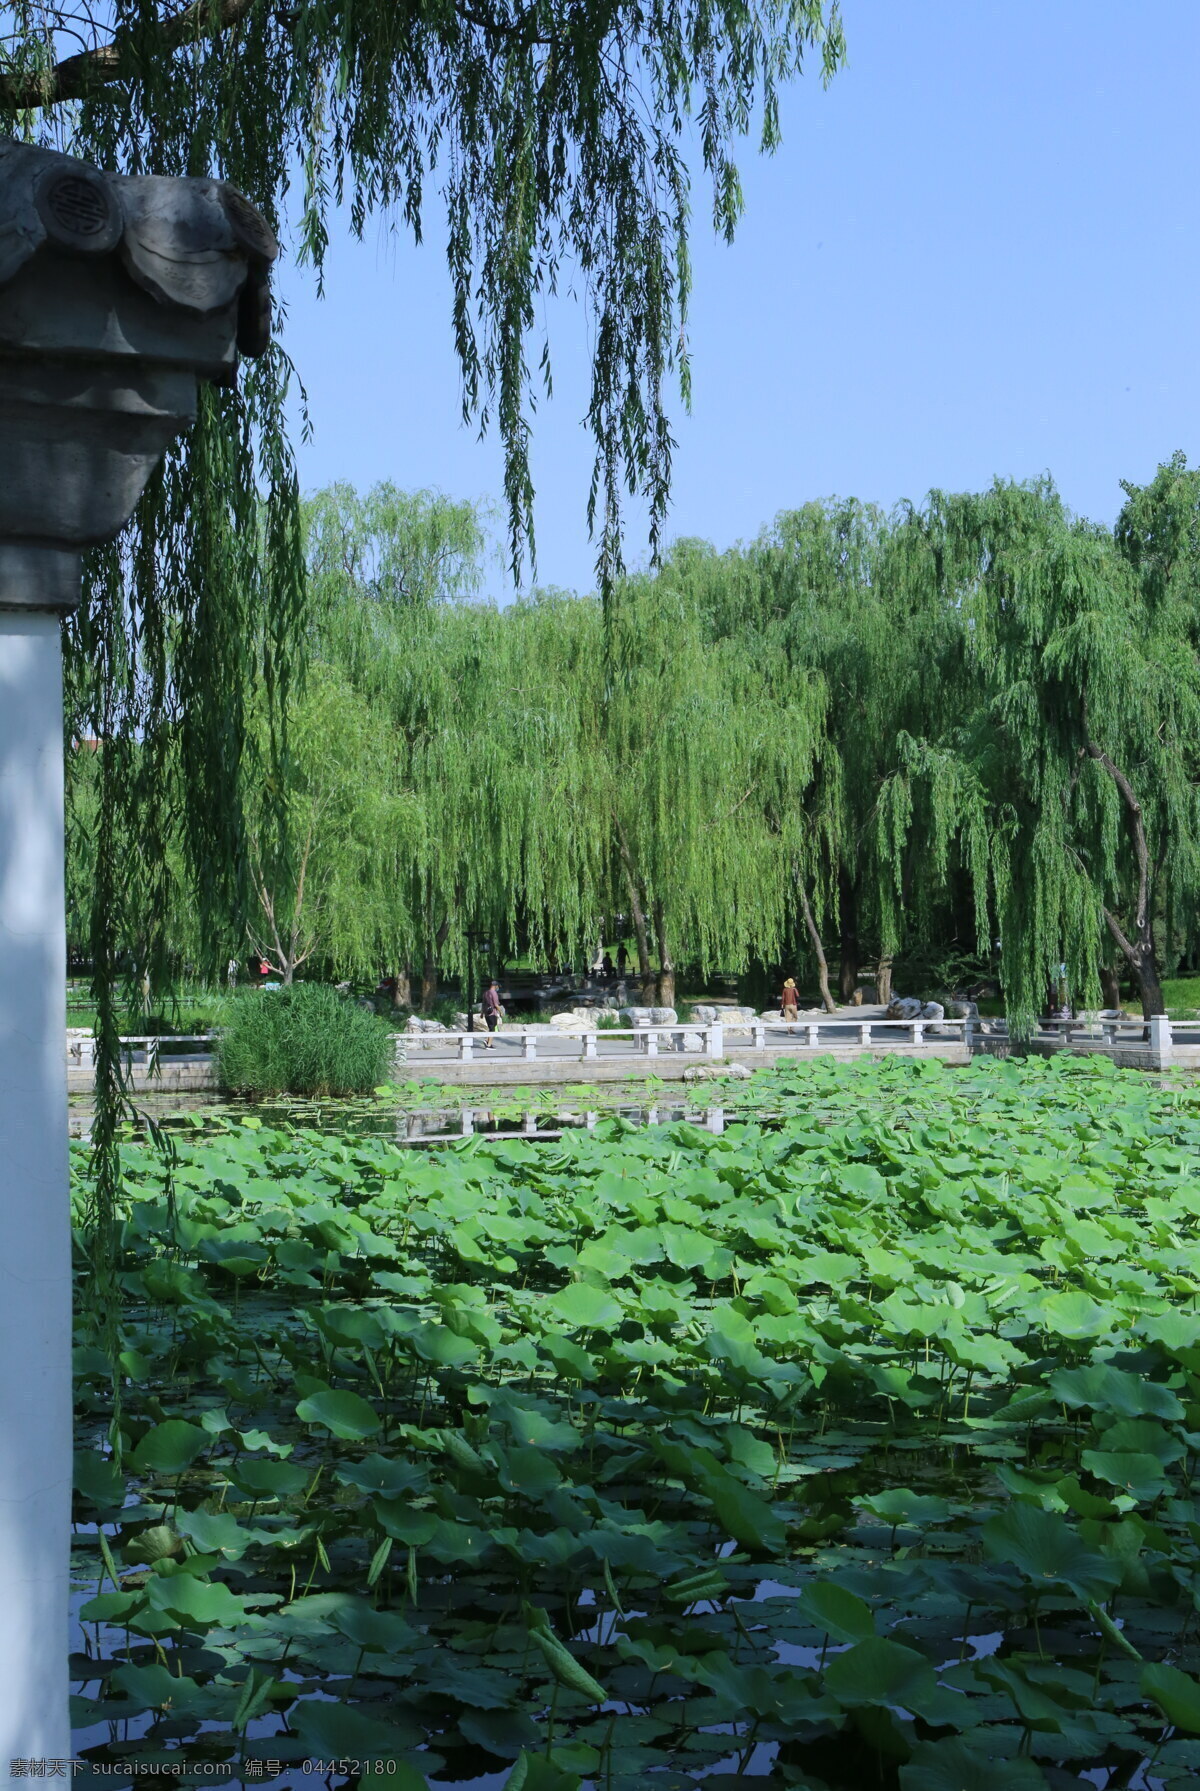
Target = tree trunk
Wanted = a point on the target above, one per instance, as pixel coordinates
(666, 968)
(883, 978)
(403, 992)
(1110, 984)
(818, 948)
(429, 982)
(1143, 964)
(1150, 987)
(1137, 945)
(848, 914)
(637, 914)
(287, 958)
(429, 973)
(1149, 983)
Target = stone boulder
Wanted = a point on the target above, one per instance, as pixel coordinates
(717, 1072)
(649, 1016)
(903, 1007)
(573, 1024)
(706, 1014)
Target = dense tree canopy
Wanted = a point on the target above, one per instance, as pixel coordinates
(546, 139)
(870, 739)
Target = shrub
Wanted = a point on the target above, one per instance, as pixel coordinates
(305, 1040)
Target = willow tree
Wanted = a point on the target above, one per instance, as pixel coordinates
(483, 707)
(390, 549)
(1084, 730)
(832, 594)
(709, 762)
(330, 849)
(487, 701)
(552, 135)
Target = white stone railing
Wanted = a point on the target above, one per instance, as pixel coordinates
(1158, 1035)
(142, 1049)
(709, 1041)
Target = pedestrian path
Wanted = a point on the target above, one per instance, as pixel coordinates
(543, 1055)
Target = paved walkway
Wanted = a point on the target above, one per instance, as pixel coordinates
(532, 1056)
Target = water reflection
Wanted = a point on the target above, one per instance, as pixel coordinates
(442, 1124)
(434, 1125)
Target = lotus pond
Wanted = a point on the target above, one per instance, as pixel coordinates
(854, 1449)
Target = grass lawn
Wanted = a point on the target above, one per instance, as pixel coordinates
(1182, 996)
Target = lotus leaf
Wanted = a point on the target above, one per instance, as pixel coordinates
(841, 1614)
(825, 1423)
(1045, 1548)
(170, 1448)
(196, 1603)
(345, 1413)
(876, 1671)
(957, 1765)
(582, 1307)
(333, 1731)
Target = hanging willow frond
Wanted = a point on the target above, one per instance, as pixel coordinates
(552, 133)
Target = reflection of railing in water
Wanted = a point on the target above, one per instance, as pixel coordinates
(471, 1121)
(447, 1125)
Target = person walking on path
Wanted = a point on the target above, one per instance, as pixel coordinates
(491, 1010)
(790, 1001)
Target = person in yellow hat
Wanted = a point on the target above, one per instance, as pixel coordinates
(790, 1000)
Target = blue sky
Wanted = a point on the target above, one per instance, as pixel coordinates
(976, 253)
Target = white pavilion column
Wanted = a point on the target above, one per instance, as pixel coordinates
(35, 1227)
(117, 296)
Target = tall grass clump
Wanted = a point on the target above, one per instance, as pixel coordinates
(305, 1040)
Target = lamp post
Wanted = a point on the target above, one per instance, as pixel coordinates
(117, 295)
